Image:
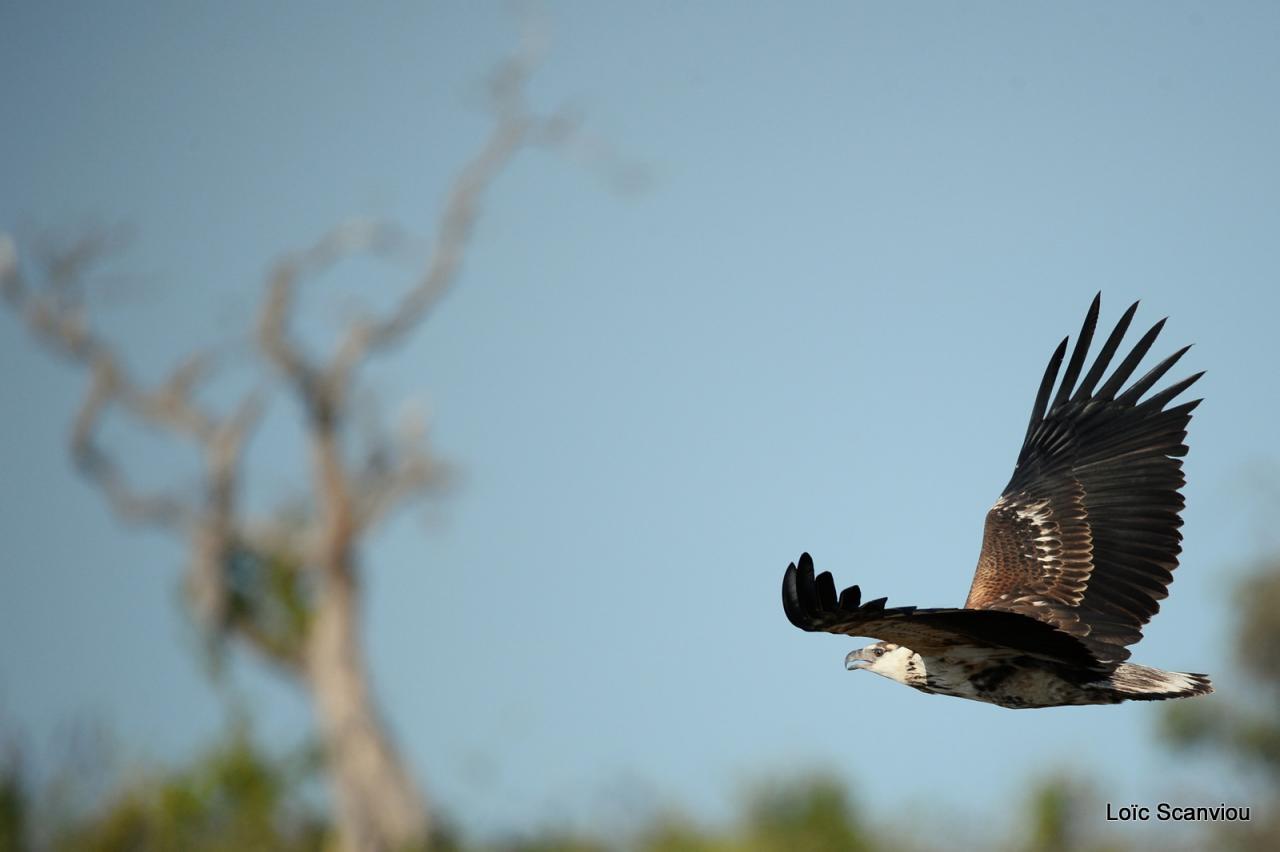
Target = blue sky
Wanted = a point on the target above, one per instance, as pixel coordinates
(819, 328)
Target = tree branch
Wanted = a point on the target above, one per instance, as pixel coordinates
(56, 315)
(394, 472)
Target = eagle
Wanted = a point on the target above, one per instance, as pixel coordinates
(1076, 553)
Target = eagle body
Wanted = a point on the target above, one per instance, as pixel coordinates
(1077, 552)
(1023, 682)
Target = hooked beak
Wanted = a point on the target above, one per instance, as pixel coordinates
(856, 661)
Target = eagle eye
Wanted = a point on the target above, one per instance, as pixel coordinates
(879, 652)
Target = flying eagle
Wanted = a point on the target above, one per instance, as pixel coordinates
(1076, 553)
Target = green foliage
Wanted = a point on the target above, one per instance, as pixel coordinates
(231, 798)
(1258, 636)
(1053, 813)
(236, 797)
(269, 597)
(556, 842)
(1062, 816)
(1250, 732)
(812, 814)
(807, 814)
(14, 807)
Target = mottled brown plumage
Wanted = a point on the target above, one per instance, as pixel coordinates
(1085, 535)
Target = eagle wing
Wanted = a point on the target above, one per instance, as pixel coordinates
(1085, 536)
(811, 604)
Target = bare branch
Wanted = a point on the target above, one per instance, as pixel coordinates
(515, 127)
(380, 493)
(55, 313)
(10, 281)
(273, 333)
(396, 464)
(219, 530)
(346, 240)
(324, 391)
(128, 503)
(453, 236)
(411, 477)
(352, 501)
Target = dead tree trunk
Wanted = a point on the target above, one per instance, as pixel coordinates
(379, 805)
(290, 589)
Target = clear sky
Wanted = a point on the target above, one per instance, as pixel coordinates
(820, 328)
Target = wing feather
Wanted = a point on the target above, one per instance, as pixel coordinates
(1085, 536)
(1144, 384)
(1078, 354)
(1104, 357)
(811, 604)
(1128, 365)
(1046, 385)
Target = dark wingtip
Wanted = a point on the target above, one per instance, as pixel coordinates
(851, 598)
(1103, 359)
(826, 592)
(791, 597)
(802, 595)
(1155, 374)
(1157, 401)
(1076, 362)
(1122, 373)
(1046, 388)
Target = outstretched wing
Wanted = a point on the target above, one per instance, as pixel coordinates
(1085, 536)
(811, 604)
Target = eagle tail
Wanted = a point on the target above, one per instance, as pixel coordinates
(1141, 683)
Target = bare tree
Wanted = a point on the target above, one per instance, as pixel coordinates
(288, 585)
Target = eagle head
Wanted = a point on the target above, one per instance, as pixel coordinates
(886, 659)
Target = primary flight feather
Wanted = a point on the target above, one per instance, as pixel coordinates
(1076, 554)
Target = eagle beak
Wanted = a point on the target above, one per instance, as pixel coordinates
(856, 661)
